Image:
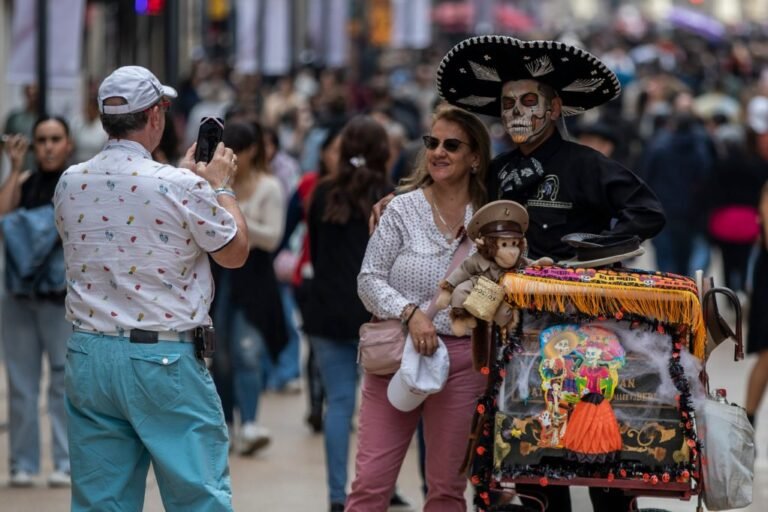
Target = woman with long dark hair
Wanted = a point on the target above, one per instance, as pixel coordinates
(338, 235)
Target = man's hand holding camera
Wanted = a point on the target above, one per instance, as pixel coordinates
(219, 171)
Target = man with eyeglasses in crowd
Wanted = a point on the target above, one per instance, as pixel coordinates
(137, 235)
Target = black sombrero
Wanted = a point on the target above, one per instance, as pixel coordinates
(472, 74)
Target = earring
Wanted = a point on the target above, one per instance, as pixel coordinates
(474, 169)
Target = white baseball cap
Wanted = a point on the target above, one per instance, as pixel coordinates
(137, 86)
(418, 376)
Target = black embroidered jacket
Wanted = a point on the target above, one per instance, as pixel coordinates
(571, 188)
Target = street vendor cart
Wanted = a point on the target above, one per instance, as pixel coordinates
(601, 384)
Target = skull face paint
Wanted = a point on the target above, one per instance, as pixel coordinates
(525, 110)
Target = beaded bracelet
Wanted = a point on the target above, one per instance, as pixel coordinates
(225, 191)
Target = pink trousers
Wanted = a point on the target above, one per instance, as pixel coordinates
(385, 433)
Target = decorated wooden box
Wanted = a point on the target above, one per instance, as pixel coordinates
(598, 385)
(555, 367)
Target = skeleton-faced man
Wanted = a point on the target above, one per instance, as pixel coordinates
(566, 187)
(528, 111)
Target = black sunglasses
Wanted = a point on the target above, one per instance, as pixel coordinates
(450, 145)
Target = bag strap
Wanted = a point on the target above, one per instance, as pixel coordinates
(462, 251)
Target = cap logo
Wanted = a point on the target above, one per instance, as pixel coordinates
(157, 89)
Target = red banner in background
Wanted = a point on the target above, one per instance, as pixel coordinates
(460, 17)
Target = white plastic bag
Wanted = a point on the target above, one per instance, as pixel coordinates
(729, 455)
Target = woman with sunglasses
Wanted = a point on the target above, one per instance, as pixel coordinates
(407, 255)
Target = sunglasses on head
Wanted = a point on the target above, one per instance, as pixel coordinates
(450, 145)
(164, 105)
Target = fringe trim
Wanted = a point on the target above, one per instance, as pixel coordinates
(601, 299)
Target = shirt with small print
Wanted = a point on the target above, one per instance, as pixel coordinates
(406, 259)
(136, 234)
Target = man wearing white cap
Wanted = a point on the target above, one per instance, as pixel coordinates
(137, 235)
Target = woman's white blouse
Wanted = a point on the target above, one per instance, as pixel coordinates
(406, 259)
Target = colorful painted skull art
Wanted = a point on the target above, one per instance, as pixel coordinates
(525, 111)
(575, 360)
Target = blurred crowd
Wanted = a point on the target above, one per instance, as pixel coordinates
(692, 121)
(691, 107)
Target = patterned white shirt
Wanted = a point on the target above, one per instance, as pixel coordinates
(406, 259)
(136, 235)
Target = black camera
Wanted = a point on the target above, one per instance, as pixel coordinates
(208, 137)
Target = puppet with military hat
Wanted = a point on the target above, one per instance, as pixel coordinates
(472, 290)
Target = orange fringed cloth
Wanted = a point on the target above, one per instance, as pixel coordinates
(667, 298)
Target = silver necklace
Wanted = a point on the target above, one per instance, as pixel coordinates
(449, 237)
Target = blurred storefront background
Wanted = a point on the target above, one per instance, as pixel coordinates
(270, 38)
